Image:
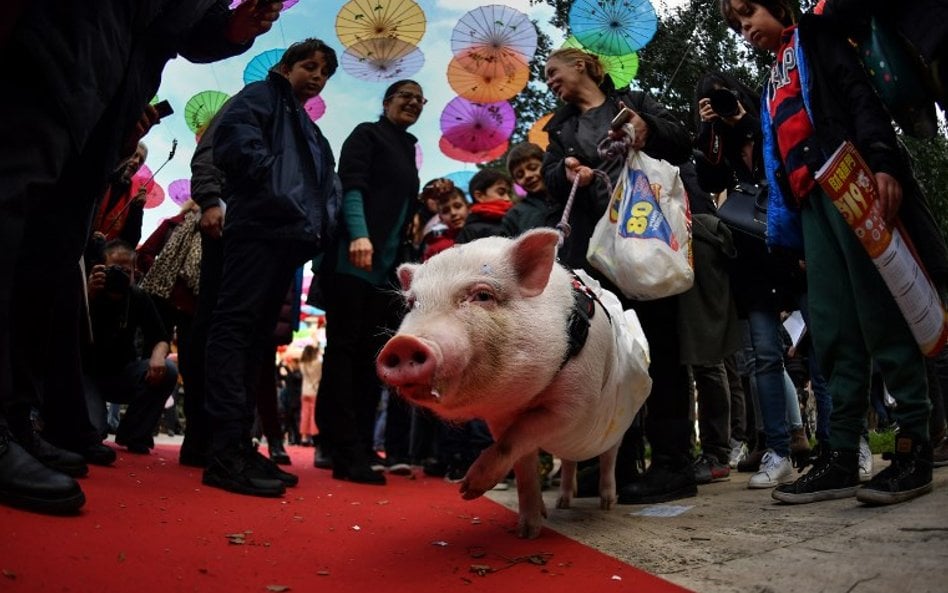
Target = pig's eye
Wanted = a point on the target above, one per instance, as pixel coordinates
(481, 294)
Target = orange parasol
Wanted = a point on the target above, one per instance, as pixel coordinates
(486, 82)
(536, 133)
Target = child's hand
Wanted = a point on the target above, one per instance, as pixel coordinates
(890, 196)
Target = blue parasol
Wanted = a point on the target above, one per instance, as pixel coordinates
(258, 67)
(613, 27)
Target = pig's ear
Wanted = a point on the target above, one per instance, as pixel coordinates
(406, 272)
(533, 255)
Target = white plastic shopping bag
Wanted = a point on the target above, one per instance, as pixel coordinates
(643, 241)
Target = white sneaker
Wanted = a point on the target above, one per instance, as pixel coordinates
(774, 470)
(738, 453)
(865, 460)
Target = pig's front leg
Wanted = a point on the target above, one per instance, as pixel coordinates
(567, 484)
(515, 441)
(530, 498)
(607, 478)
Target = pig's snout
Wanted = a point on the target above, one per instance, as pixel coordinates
(408, 363)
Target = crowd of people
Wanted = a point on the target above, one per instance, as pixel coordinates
(221, 282)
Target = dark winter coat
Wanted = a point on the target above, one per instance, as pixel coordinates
(278, 186)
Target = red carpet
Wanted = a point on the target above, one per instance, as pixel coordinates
(149, 525)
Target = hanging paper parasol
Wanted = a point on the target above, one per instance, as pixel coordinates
(375, 60)
(621, 69)
(477, 127)
(180, 191)
(485, 82)
(315, 107)
(287, 4)
(419, 157)
(613, 27)
(495, 34)
(466, 156)
(536, 133)
(259, 66)
(201, 108)
(461, 179)
(154, 195)
(359, 20)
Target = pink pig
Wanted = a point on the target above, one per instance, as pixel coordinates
(487, 336)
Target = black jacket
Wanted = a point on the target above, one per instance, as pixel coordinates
(532, 212)
(277, 186)
(668, 139)
(378, 159)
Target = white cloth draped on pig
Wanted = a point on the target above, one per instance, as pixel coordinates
(486, 336)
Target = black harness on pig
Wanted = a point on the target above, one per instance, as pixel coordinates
(580, 316)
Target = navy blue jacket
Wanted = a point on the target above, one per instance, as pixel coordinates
(277, 185)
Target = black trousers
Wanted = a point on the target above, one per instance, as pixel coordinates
(359, 320)
(254, 282)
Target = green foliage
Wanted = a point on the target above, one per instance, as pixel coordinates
(931, 170)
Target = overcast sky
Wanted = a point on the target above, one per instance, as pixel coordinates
(349, 100)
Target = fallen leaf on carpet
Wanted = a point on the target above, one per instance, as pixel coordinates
(322, 573)
(277, 588)
(481, 569)
(121, 556)
(9, 574)
(616, 577)
(440, 543)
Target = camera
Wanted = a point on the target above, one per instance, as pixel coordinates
(724, 102)
(117, 281)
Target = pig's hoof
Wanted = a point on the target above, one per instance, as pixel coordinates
(607, 503)
(563, 502)
(528, 529)
(468, 492)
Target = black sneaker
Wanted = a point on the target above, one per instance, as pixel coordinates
(270, 469)
(321, 458)
(834, 475)
(708, 469)
(236, 470)
(662, 482)
(909, 474)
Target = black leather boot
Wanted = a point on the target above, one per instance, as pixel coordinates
(61, 460)
(666, 479)
(29, 484)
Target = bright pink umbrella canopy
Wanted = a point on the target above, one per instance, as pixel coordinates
(180, 191)
(155, 195)
(315, 107)
(477, 127)
(466, 156)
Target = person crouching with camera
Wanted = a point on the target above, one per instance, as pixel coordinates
(116, 368)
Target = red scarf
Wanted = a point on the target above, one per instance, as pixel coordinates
(493, 210)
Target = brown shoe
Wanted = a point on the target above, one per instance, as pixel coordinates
(799, 448)
(751, 463)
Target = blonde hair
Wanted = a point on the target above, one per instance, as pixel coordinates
(569, 55)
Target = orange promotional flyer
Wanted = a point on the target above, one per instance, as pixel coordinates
(849, 182)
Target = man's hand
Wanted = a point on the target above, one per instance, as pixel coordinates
(360, 253)
(156, 364)
(139, 199)
(212, 222)
(890, 196)
(251, 19)
(148, 118)
(96, 281)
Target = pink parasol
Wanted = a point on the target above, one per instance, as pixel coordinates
(287, 4)
(315, 107)
(477, 127)
(154, 195)
(180, 191)
(466, 156)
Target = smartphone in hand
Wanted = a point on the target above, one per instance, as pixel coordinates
(164, 109)
(623, 117)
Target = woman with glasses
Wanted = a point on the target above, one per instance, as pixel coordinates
(380, 185)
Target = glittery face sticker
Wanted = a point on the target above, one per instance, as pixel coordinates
(487, 270)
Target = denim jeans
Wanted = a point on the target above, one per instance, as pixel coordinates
(769, 377)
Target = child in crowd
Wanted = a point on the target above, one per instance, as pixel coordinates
(536, 210)
(490, 189)
(453, 210)
(817, 96)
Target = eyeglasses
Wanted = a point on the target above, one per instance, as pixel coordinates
(409, 97)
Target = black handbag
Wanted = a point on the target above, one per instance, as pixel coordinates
(745, 209)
